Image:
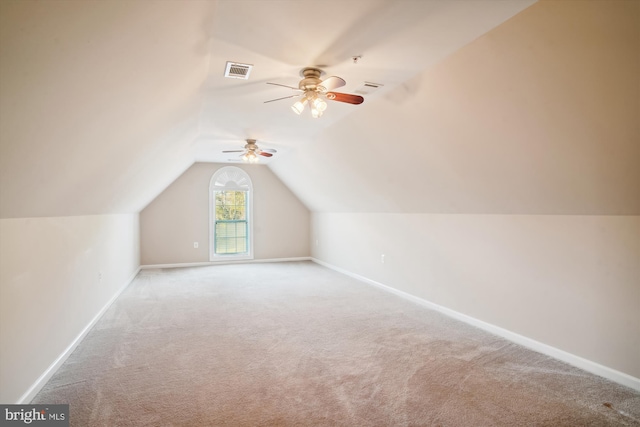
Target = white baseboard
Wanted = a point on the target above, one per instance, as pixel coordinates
(245, 261)
(48, 373)
(572, 359)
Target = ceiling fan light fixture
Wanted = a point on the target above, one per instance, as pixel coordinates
(250, 157)
(298, 107)
(315, 92)
(315, 113)
(251, 153)
(320, 104)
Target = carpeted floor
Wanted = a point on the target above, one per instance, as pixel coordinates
(288, 344)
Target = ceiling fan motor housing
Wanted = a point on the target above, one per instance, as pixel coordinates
(311, 80)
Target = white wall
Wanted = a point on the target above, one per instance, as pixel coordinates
(50, 288)
(180, 216)
(571, 282)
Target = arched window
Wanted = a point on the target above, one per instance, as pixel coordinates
(231, 231)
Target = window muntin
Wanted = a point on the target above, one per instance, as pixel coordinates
(231, 229)
(230, 215)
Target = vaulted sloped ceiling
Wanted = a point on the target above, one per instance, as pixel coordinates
(487, 106)
(539, 116)
(99, 102)
(104, 103)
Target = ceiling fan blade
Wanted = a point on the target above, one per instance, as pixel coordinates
(233, 151)
(278, 99)
(262, 153)
(333, 82)
(345, 97)
(269, 150)
(290, 87)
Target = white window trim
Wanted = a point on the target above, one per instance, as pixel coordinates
(230, 178)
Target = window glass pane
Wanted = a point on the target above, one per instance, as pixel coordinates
(231, 236)
(230, 227)
(231, 205)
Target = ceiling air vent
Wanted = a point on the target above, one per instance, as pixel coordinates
(235, 70)
(368, 87)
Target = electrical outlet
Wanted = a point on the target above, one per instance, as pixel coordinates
(195, 245)
(99, 276)
(382, 258)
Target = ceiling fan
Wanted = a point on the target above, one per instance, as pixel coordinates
(252, 151)
(315, 91)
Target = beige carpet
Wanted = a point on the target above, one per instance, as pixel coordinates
(297, 344)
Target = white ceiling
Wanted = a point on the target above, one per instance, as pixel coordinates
(105, 103)
(486, 107)
(395, 39)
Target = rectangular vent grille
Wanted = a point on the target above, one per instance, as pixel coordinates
(368, 88)
(237, 71)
